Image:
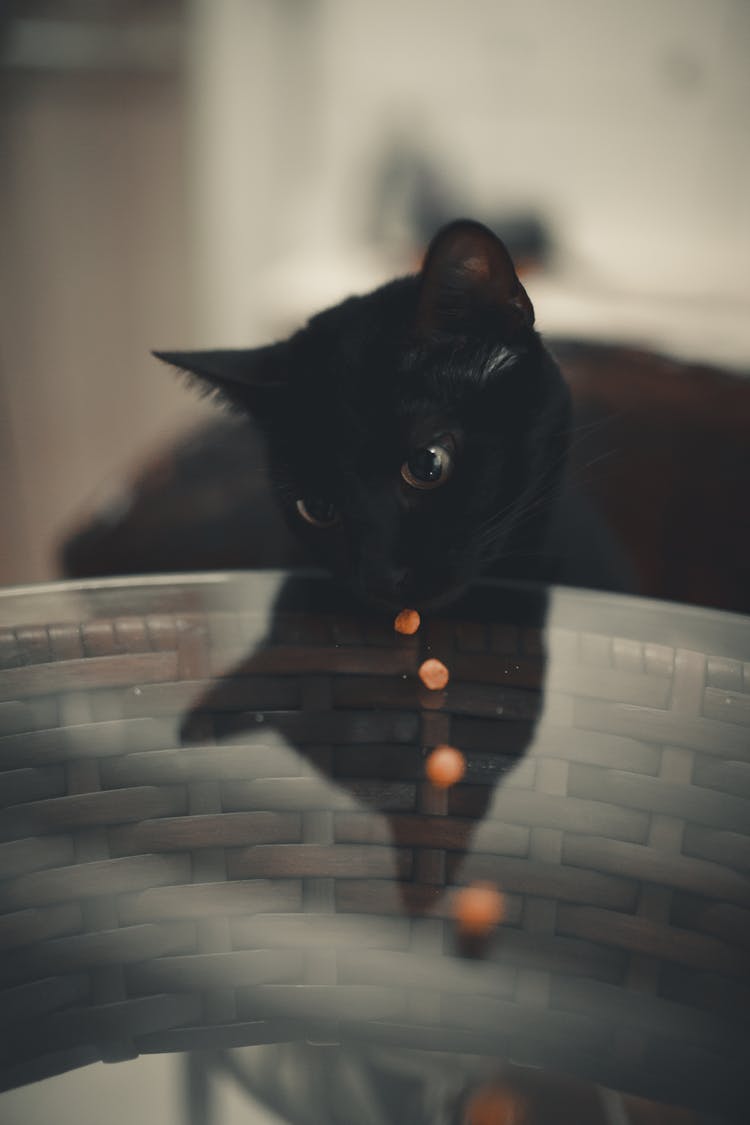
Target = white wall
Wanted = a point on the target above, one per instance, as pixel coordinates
(624, 122)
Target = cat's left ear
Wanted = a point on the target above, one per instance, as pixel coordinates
(251, 379)
(468, 270)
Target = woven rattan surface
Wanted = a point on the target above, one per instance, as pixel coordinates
(215, 830)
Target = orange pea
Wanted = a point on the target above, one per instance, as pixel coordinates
(433, 674)
(407, 622)
(445, 766)
(495, 1105)
(478, 908)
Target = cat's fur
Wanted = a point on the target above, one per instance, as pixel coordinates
(345, 403)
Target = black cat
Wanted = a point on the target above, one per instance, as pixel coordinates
(417, 435)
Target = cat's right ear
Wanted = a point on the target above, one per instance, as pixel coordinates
(248, 379)
(468, 271)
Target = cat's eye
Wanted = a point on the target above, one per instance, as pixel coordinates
(318, 512)
(430, 466)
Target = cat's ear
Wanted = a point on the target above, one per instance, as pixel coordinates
(251, 379)
(467, 270)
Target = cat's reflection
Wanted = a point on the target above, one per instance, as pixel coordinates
(344, 693)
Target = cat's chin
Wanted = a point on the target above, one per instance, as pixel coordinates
(394, 603)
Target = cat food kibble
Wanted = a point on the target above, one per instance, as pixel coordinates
(433, 674)
(478, 908)
(407, 622)
(445, 766)
(497, 1105)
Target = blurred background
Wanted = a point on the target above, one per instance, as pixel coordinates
(181, 173)
(184, 173)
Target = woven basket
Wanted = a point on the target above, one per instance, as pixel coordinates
(216, 831)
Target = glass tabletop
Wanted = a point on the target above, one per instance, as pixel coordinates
(219, 830)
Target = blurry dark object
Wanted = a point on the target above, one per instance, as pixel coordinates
(188, 509)
(660, 447)
(415, 194)
(527, 238)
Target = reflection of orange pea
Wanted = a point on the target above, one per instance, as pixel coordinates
(407, 622)
(433, 674)
(496, 1105)
(445, 766)
(478, 908)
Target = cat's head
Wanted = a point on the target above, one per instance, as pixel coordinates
(416, 434)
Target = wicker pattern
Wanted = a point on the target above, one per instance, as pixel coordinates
(216, 832)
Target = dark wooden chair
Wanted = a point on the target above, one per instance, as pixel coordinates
(663, 449)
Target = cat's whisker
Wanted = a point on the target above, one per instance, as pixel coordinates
(506, 520)
(587, 428)
(524, 513)
(596, 460)
(497, 518)
(502, 520)
(579, 473)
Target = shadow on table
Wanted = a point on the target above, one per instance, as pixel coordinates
(342, 689)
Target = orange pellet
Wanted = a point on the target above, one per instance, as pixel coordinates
(445, 766)
(495, 1105)
(478, 908)
(433, 674)
(407, 622)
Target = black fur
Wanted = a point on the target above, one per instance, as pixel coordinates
(345, 401)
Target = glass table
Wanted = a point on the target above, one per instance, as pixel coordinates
(217, 837)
